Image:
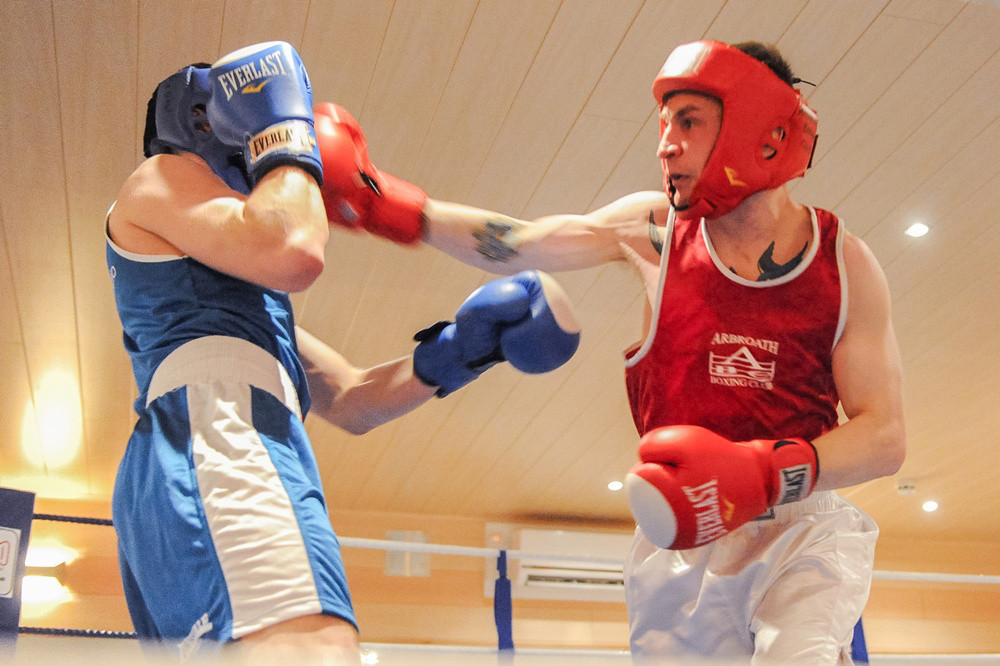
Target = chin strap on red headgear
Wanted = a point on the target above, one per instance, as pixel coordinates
(749, 155)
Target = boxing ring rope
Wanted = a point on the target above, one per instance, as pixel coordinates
(493, 553)
(503, 611)
(978, 579)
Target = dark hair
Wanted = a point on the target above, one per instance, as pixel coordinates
(770, 56)
(149, 134)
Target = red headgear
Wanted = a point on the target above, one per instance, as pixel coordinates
(755, 102)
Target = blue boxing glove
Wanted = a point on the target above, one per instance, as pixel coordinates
(261, 102)
(525, 319)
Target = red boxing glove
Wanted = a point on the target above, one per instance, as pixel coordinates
(693, 486)
(356, 194)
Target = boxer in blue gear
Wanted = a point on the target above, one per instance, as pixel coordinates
(224, 533)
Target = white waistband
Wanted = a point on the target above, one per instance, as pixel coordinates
(826, 500)
(220, 358)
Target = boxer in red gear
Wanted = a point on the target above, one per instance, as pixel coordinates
(763, 315)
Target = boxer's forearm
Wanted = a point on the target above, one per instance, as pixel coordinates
(355, 399)
(867, 447)
(380, 394)
(502, 244)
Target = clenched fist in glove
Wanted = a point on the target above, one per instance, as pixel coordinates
(694, 486)
(525, 319)
(261, 103)
(356, 194)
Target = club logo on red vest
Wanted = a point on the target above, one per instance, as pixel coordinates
(741, 368)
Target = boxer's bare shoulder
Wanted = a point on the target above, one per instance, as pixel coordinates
(639, 222)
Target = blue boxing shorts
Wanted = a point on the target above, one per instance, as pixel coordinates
(222, 524)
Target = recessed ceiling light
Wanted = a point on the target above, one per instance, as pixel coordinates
(615, 485)
(52, 426)
(930, 505)
(917, 229)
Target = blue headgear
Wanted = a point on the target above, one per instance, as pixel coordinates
(171, 124)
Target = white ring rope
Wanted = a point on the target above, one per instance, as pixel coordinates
(493, 553)
(978, 579)
(908, 659)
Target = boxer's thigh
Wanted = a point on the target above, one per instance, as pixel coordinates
(284, 437)
(224, 526)
(681, 603)
(810, 608)
(174, 584)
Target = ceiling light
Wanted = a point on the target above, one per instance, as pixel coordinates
(369, 657)
(930, 505)
(917, 229)
(52, 425)
(615, 485)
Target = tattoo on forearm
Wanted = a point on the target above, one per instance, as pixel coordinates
(497, 239)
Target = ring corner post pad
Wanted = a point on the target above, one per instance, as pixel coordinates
(503, 611)
(16, 511)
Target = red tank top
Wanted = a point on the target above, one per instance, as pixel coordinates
(744, 359)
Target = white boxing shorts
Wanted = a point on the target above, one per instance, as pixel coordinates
(222, 524)
(782, 589)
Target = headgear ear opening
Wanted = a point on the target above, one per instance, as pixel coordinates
(150, 145)
(772, 146)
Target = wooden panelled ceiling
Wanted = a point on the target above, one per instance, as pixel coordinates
(528, 107)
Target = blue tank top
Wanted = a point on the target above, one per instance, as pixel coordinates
(165, 300)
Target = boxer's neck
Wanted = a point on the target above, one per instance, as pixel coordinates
(764, 237)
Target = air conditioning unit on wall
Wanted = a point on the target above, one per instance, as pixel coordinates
(560, 564)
